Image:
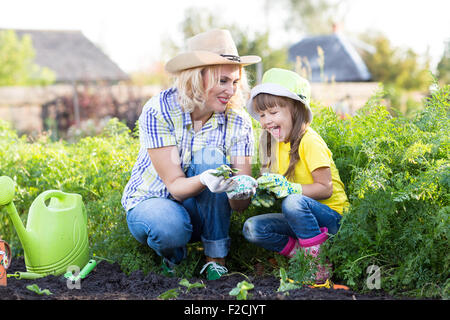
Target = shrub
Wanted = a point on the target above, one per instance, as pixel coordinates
(397, 176)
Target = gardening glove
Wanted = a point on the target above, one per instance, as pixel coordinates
(278, 184)
(263, 199)
(245, 187)
(216, 184)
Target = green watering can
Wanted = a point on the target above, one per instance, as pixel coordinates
(56, 233)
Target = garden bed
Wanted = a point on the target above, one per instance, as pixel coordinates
(108, 282)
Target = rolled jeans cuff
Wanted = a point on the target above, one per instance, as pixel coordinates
(216, 248)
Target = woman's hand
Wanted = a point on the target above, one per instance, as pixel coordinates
(216, 184)
(245, 187)
(244, 165)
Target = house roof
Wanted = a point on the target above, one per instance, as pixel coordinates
(341, 60)
(72, 56)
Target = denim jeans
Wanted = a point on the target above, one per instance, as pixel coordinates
(301, 218)
(167, 225)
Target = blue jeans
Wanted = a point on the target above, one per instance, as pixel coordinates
(301, 218)
(167, 225)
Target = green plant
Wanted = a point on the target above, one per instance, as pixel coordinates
(286, 284)
(175, 292)
(225, 171)
(241, 290)
(189, 286)
(396, 172)
(35, 288)
(169, 294)
(302, 268)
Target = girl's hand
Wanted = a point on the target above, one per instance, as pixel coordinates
(278, 184)
(263, 198)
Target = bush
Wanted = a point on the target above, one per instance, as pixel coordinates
(396, 172)
(97, 168)
(397, 176)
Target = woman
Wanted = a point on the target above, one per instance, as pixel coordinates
(186, 132)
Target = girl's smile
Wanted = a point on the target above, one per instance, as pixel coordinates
(277, 121)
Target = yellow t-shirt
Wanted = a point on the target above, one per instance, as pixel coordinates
(314, 153)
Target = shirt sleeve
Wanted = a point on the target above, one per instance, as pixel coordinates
(155, 131)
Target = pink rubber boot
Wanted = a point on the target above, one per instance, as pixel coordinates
(311, 246)
(294, 244)
(291, 248)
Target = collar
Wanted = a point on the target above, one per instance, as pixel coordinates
(212, 123)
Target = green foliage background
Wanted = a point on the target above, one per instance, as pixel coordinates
(396, 172)
(17, 67)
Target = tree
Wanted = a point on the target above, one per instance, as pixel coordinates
(399, 70)
(17, 67)
(443, 67)
(313, 16)
(259, 45)
(395, 66)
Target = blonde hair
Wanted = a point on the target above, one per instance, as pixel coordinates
(192, 94)
(301, 119)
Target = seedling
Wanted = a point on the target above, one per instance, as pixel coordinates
(35, 288)
(169, 294)
(241, 290)
(225, 171)
(189, 286)
(286, 284)
(173, 293)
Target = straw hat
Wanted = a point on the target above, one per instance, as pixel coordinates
(209, 48)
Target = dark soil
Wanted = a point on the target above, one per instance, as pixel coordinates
(108, 282)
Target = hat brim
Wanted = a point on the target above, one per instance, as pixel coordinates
(194, 59)
(276, 90)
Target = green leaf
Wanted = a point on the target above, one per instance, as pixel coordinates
(225, 171)
(241, 290)
(235, 291)
(35, 288)
(169, 294)
(189, 286)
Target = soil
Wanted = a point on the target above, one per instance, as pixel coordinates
(108, 282)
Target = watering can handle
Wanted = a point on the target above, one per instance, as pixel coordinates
(51, 194)
(59, 194)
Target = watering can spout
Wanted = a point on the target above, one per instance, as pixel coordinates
(7, 190)
(25, 236)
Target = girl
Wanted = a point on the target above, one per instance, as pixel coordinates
(305, 173)
(185, 133)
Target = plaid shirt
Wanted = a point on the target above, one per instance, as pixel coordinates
(164, 123)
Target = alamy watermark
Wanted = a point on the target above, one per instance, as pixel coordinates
(73, 280)
(373, 281)
(237, 140)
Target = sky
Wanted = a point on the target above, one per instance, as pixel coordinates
(130, 32)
